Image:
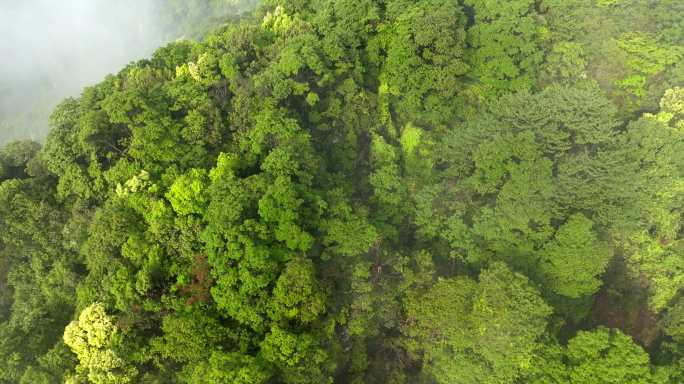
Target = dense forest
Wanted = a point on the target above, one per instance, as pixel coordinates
(361, 191)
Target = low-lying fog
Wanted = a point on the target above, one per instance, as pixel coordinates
(51, 49)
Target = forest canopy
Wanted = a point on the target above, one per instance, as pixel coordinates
(360, 191)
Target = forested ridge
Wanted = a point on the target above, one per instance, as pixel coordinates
(361, 191)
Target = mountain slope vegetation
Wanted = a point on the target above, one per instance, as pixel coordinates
(367, 191)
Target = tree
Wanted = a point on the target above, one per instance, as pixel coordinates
(645, 58)
(187, 193)
(15, 158)
(233, 368)
(547, 365)
(424, 66)
(347, 231)
(191, 337)
(573, 261)
(674, 321)
(473, 331)
(565, 63)
(606, 356)
(297, 294)
(93, 339)
(504, 40)
(299, 357)
(652, 249)
(598, 356)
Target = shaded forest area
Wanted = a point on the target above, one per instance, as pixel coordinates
(361, 191)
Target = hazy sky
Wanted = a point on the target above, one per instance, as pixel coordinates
(50, 49)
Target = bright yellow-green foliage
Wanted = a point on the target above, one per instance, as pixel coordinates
(672, 108)
(135, 184)
(187, 193)
(410, 138)
(645, 57)
(91, 339)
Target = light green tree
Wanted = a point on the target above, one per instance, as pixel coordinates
(92, 339)
(573, 261)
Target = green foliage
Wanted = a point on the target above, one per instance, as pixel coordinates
(360, 191)
(296, 294)
(477, 332)
(187, 337)
(674, 321)
(233, 368)
(297, 356)
(574, 259)
(505, 44)
(424, 66)
(606, 356)
(92, 338)
(600, 356)
(565, 62)
(348, 233)
(645, 57)
(186, 194)
(629, 46)
(16, 159)
(669, 22)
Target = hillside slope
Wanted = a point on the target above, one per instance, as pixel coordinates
(367, 191)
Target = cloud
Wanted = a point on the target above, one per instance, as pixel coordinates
(52, 49)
